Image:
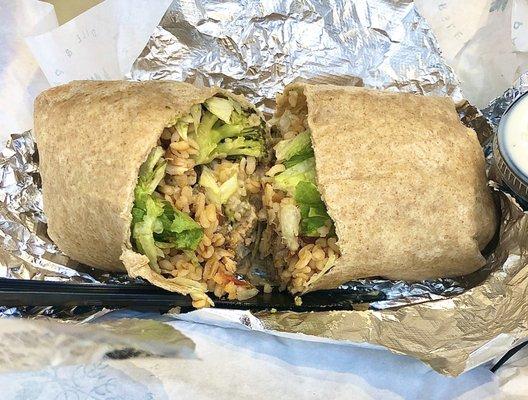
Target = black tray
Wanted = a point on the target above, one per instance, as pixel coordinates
(27, 293)
(20, 292)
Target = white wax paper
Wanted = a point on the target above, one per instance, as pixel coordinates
(21, 79)
(485, 41)
(244, 364)
(102, 43)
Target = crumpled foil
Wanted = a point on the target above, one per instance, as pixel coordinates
(256, 48)
(494, 111)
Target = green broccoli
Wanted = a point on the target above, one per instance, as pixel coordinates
(225, 130)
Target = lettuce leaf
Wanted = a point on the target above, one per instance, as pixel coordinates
(220, 107)
(288, 179)
(296, 159)
(288, 148)
(313, 210)
(289, 220)
(179, 229)
(143, 231)
(156, 224)
(298, 180)
(218, 194)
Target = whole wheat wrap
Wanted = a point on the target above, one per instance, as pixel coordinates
(404, 182)
(92, 138)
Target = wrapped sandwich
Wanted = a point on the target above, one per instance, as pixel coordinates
(370, 183)
(159, 179)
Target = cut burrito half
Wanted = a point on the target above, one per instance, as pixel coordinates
(371, 183)
(159, 179)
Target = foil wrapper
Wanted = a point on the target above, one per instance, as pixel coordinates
(256, 48)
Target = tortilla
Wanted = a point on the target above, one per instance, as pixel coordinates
(404, 182)
(92, 138)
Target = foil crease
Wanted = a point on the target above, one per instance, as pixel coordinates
(256, 48)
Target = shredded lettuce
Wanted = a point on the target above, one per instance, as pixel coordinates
(182, 128)
(298, 147)
(222, 108)
(218, 194)
(296, 159)
(223, 131)
(143, 231)
(155, 223)
(196, 114)
(288, 179)
(179, 229)
(150, 175)
(236, 106)
(298, 180)
(313, 210)
(307, 193)
(289, 220)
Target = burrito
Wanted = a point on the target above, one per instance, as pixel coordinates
(159, 179)
(371, 183)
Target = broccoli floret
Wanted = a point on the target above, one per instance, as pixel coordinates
(238, 147)
(224, 132)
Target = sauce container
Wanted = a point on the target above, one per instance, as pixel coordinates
(510, 149)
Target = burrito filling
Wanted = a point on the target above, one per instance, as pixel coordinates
(197, 200)
(300, 236)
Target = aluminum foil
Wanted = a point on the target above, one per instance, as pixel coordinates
(494, 111)
(256, 48)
